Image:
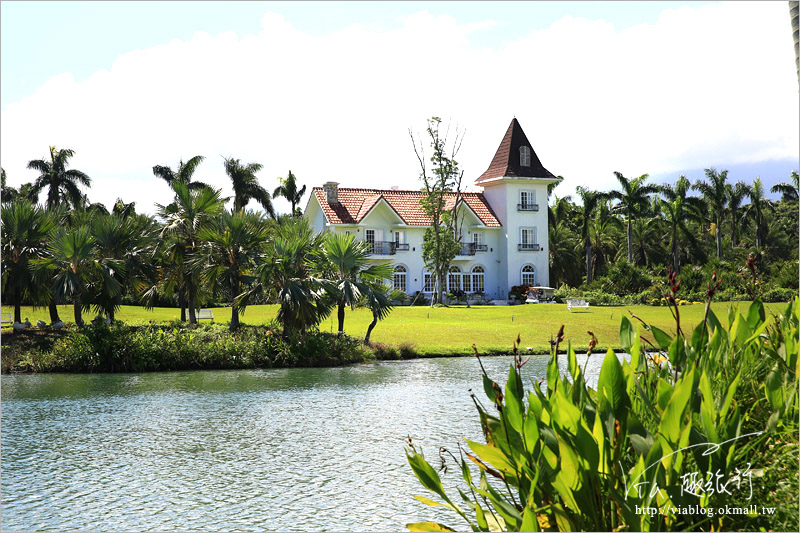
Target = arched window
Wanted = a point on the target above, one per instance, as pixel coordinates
(400, 274)
(524, 156)
(454, 279)
(478, 282)
(528, 275)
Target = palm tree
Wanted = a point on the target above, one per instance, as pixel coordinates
(25, 229)
(77, 271)
(677, 210)
(589, 199)
(233, 247)
(345, 262)
(633, 200)
(246, 187)
(183, 174)
(565, 257)
(184, 219)
(736, 194)
(378, 298)
(123, 209)
(647, 247)
(604, 232)
(286, 274)
(715, 195)
(789, 191)
(288, 190)
(61, 184)
(755, 212)
(128, 241)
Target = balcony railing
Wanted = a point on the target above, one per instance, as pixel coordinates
(387, 247)
(527, 207)
(470, 248)
(528, 247)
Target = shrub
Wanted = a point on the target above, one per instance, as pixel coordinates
(576, 458)
(624, 278)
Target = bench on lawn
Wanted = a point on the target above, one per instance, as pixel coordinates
(204, 314)
(7, 318)
(573, 303)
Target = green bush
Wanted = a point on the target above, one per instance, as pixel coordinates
(564, 456)
(624, 278)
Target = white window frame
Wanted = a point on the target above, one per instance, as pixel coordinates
(478, 278)
(523, 273)
(530, 197)
(454, 277)
(428, 282)
(530, 230)
(400, 274)
(477, 237)
(524, 156)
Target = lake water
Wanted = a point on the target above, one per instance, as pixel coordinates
(293, 449)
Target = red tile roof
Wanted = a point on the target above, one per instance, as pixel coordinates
(354, 204)
(506, 160)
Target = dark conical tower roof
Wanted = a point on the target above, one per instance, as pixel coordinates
(506, 161)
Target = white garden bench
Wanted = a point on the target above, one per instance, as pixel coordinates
(576, 304)
(204, 314)
(7, 319)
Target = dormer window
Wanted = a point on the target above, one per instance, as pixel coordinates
(524, 156)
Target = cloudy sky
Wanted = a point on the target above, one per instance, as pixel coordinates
(330, 90)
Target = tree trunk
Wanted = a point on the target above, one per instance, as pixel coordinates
(77, 309)
(719, 240)
(192, 304)
(111, 316)
(53, 311)
(17, 305)
(234, 307)
(793, 14)
(588, 262)
(630, 241)
(341, 318)
(675, 265)
(182, 305)
(371, 327)
(234, 317)
(441, 288)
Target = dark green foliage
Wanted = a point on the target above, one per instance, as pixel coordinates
(122, 348)
(564, 456)
(625, 278)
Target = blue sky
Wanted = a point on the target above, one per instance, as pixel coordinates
(330, 89)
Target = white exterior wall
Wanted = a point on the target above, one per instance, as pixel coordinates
(504, 195)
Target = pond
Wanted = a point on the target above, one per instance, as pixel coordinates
(292, 449)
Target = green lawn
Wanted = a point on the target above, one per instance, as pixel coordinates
(454, 329)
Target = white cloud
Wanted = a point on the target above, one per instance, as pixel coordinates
(702, 86)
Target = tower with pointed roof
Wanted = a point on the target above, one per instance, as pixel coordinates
(515, 185)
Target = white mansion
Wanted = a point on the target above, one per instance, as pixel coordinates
(504, 231)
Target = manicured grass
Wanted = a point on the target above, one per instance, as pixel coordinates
(452, 330)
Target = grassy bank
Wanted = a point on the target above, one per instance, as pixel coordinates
(452, 330)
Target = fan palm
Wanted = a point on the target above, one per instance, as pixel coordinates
(789, 191)
(736, 194)
(755, 211)
(184, 219)
(677, 210)
(590, 200)
(288, 190)
(62, 184)
(76, 269)
(633, 201)
(233, 247)
(183, 174)
(128, 241)
(25, 230)
(715, 195)
(286, 274)
(378, 298)
(565, 260)
(604, 232)
(246, 187)
(345, 262)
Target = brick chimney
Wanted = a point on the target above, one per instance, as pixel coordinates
(331, 189)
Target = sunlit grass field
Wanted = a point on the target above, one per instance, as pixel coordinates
(452, 330)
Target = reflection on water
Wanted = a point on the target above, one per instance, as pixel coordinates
(292, 449)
